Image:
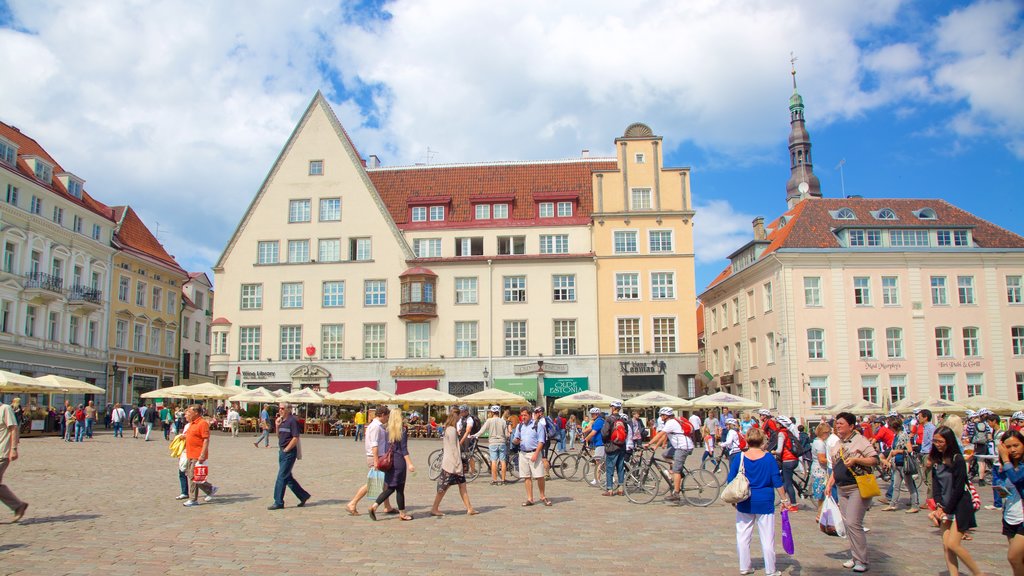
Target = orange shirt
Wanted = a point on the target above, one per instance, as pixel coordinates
(198, 431)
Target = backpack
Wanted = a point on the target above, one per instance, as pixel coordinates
(686, 426)
(475, 425)
(619, 431)
(550, 428)
(799, 449)
(980, 434)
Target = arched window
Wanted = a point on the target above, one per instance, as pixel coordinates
(927, 214)
(845, 214)
(885, 214)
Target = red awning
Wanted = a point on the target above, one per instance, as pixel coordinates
(346, 385)
(406, 386)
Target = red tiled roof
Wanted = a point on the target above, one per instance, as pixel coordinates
(700, 318)
(464, 184)
(810, 224)
(417, 271)
(29, 147)
(133, 234)
(221, 321)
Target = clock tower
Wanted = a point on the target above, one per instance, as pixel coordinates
(802, 181)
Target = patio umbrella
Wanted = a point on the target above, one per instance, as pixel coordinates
(169, 392)
(70, 385)
(997, 405)
(655, 399)
(359, 396)
(11, 383)
(303, 396)
(494, 396)
(427, 396)
(278, 393)
(257, 395)
(209, 391)
(863, 407)
(724, 399)
(938, 406)
(905, 405)
(585, 398)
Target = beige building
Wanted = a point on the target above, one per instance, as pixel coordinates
(449, 276)
(196, 323)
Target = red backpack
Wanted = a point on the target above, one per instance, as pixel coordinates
(686, 426)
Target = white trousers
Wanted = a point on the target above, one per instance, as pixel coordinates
(765, 531)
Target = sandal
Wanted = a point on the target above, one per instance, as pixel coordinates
(405, 517)
(373, 513)
(528, 503)
(546, 501)
(437, 514)
(608, 493)
(471, 512)
(967, 537)
(889, 509)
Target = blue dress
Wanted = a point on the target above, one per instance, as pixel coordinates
(764, 477)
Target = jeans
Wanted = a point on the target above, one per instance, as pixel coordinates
(572, 439)
(615, 462)
(183, 480)
(88, 427)
(359, 432)
(264, 437)
(997, 480)
(119, 432)
(788, 467)
(79, 431)
(285, 463)
(167, 430)
(561, 440)
(897, 480)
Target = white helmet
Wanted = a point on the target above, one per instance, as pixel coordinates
(496, 409)
(615, 404)
(666, 411)
(731, 422)
(595, 410)
(764, 412)
(1018, 415)
(786, 422)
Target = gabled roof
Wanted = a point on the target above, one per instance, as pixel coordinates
(811, 225)
(700, 319)
(29, 147)
(132, 235)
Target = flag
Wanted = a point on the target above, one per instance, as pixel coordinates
(708, 375)
(238, 376)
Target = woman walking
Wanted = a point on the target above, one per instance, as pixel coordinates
(819, 465)
(452, 472)
(572, 429)
(954, 511)
(1011, 457)
(852, 456)
(763, 474)
(898, 461)
(401, 463)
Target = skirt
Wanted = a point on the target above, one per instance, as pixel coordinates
(447, 480)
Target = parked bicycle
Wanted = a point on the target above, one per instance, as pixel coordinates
(478, 461)
(643, 484)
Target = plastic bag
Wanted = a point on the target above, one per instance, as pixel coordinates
(787, 534)
(831, 521)
(374, 483)
(200, 472)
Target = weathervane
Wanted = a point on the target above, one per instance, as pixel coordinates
(792, 64)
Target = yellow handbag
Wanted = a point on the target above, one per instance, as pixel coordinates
(866, 483)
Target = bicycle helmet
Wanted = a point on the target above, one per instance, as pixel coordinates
(786, 422)
(463, 408)
(734, 422)
(666, 411)
(615, 404)
(1018, 415)
(595, 410)
(496, 409)
(983, 412)
(538, 410)
(764, 412)
(893, 413)
(971, 413)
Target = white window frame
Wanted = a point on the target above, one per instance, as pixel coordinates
(633, 341)
(627, 291)
(300, 210)
(467, 290)
(660, 289)
(623, 240)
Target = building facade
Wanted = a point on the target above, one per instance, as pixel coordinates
(883, 299)
(457, 277)
(55, 275)
(197, 297)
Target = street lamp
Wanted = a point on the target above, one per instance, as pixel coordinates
(113, 382)
(486, 376)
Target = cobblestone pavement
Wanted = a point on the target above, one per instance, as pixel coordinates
(107, 506)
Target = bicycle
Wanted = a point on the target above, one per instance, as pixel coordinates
(478, 459)
(716, 465)
(699, 487)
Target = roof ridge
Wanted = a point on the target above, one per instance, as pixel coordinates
(596, 159)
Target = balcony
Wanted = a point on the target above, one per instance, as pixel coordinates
(85, 298)
(418, 303)
(418, 311)
(43, 288)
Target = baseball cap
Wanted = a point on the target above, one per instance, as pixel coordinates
(616, 404)
(495, 409)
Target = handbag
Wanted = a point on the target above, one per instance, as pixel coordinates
(387, 461)
(199, 473)
(787, 534)
(910, 466)
(867, 484)
(738, 489)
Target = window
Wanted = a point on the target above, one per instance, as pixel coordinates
(947, 387)
(1020, 385)
(943, 343)
(298, 251)
(564, 209)
(1017, 340)
(120, 333)
(30, 322)
(939, 295)
(291, 342)
(554, 243)
(375, 293)
(769, 347)
(897, 387)
(816, 344)
(515, 338)
(725, 315)
(220, 342)
(77, 224)
(10, 257)
(73, 324)
(122, 288)
(252, 296)
(894, 342)
(58, 215)
(36, 206)
(639, 158)
(139, 343)
(767, 295)
(267, 252)
(184, 330)
(862, 291)
(154, 340)
(299, 210)
(436, 213)
(819, 391)
(563, 287)
(91, 334)
(952, 238)
(515, 289)
(664, 335)
(333, 294)
(866, 343)
(330, 209)
(625, 241)
(465, 290)
(660, 241)
(483, 212)
(812, 291)
(330, 250)
(546, 209)
(509, 245)
(972, 343)
(466, 339)
(140, 294)
(469, 246)
(869, 387)
(419, 213)
(640, 199)
(157, 293)
(752, 351)
(360, 249)
(565, 337)
(750, 304)
(332, 341)
(736, 311)
(890, 290)
(885, 214)
(1013, 289)
(291, 295)
(714, 362)
(316, 167)
(95, 231)
(663, 286)
(975, 384)
(627, 286)
(714, 320)
(965, 289)
(845, 214)
(427, 247)
(865, 237)
(374, 340)
(628, 331)
(8, 153)
(172, 303)
(908, 238)
(500, 211)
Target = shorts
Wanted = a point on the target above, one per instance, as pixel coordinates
(599, 453)
(678, 456)
(981, 449)
(498, 452)
(529, 468)
(1011, 530)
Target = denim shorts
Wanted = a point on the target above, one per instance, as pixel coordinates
(498, 453)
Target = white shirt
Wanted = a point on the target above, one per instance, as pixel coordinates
(830, 443)
(676, 438)
(233, 416)
(117, 415)
(732, 442)
(695, 421)
(376, 437)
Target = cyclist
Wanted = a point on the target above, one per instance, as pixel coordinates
(615, 434)
(677, 434)
(593, 438)
(497, 430)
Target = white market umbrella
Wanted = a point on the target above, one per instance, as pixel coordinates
(427, 396)
(11, 383)
(905, 405)
(359, 396)
(209, 391)
(863, 408)
(725, 400)
(494, 396)
(997, 405)
(584, 399)
(278, 393)
(257, 395)
(655, 399)
(938, 406)
(169, 392)
(303, 396)
(70, 385)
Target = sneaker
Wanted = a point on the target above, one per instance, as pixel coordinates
(181, 497)
(849, 564)
(593, 482)
(746, 572)
(209, 497)
(673, 497)
(883, 500)
(991, 507)
(190, 503)
(860, 568)
(794, 508)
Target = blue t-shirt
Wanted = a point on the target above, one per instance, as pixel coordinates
(264, 415)
(288, 429)
(764, 478)
(596, 427)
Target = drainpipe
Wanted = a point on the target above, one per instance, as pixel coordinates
(490, 320)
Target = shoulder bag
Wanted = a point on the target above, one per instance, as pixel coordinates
(866, 481)
(738, 489)
(387, 460)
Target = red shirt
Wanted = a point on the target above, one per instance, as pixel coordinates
(198, 432)
(866, 430)
(885, 436)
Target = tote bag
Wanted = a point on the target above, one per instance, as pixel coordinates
(739, 489)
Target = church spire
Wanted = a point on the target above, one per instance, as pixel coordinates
(802, 181)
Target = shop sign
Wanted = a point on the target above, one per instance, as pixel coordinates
(540, 366)
(644, 367)
(461, 389)
(429, 370)
(309, 373)
(259, 374)
(558, 387)
(525, 387)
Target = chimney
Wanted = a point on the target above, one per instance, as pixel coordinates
(585, 153)
(759, 229)
(374, 161)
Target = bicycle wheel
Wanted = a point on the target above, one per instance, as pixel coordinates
(589, 472)
(573, 471)
(513, 466)
(642, 485)
(476, 464)
(701, 488)
(558, 464)
(434, 465)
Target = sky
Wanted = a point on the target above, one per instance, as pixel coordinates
(179, 108)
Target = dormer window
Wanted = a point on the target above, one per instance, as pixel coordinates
(564, 209)
(500, 211)
(419, 213)
(926, 214)
(884, 214)
(436, 213)
(8, 152)
(844, 214)
(44, 171)
(546, 210)
(75, 188)
(483, 212)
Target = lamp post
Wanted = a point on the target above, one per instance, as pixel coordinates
(113, 383)
(487, 374)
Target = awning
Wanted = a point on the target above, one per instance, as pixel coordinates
(525, 387)
(406, 386)
(559, 387)
(346, 385)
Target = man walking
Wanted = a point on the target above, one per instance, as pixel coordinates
(376, 441)
(90, 419)
(197, 451)
(615, 433)
(288, 441)
(117, 418)
(8, 454)
(150, 419)
(165, 420)
(531, 444)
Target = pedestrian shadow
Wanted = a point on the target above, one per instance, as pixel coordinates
(6, 547)
(313, 503)
(62, 518)
(231, 498)
(560, 499)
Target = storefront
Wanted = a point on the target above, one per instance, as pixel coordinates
(407, 386)
(140, 384)
(626, 377)
(525, 387)
(346, 385)
(565, 386)
(461, 389)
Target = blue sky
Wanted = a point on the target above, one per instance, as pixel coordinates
(180, 107)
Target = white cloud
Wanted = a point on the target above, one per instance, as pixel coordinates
(720, 231)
